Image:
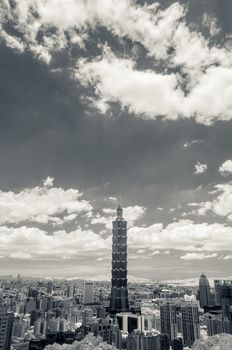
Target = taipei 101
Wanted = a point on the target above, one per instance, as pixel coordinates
(116, 175)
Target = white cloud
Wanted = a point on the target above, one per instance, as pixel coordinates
(227, 257)
(198, 256)
(221, 204)
(211, 23)
(156, 252)
(42, 204)
(200, 168)
(226, 167)
(141, 251)
(182, 235)
(30, 242)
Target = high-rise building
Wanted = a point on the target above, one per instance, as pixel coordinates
(190, 323)
(143, 341)
(223, 295)
(180, 317)
(88, 293)
(70, 291)
(50, 287)
(204, 291)
(119, 292)
(217, 324)
(168, 319)
(6, 325)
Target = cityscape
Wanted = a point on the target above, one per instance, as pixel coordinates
(115, 174)
(44, 314)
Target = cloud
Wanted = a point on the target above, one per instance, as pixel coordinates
(182, 235)
(42, 204)
(188, 69)
(220, 205)
(227, 257)
(226, 167)
(152, 95)
(31, 242)
(200, 168)
(156, 252)
(131, 214)
(210, 23)
(198, 256)
(141, 251)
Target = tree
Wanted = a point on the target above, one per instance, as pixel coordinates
(217, 342)
(90, 342)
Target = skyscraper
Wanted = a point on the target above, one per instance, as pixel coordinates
(88, 293)
(204, 291)
(119, 293)
(6, 325)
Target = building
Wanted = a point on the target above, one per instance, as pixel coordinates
(138, 340)
(119, 292)
(6, 325)
(50, 287)
(70, 291)
(88, 293)
(129, 322)
(190, 323)
(204, 291)
(217, 324)
(168, 319)
(223, 296)
(180, 317)
(177, 344)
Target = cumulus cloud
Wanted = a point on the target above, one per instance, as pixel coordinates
(30, 242)
(185, 84)
(226, 167)
(198, 256)
(200, 168)
(182, 235)
(42, 204)
(221, 204)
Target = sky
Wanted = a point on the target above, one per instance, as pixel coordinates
(116, 101)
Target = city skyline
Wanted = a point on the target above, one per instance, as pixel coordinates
(107, 108)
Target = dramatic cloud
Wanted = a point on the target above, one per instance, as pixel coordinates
(200, 168)
(226, 167)
(42, 204)
(188, 69)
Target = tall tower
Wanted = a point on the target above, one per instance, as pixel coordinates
(204, 291)
(119, 293)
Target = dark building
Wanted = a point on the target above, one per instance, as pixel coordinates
(177, 344)
(6, 325)
(204, 292)
(119, 293)
(223, 295)
(164, 342)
